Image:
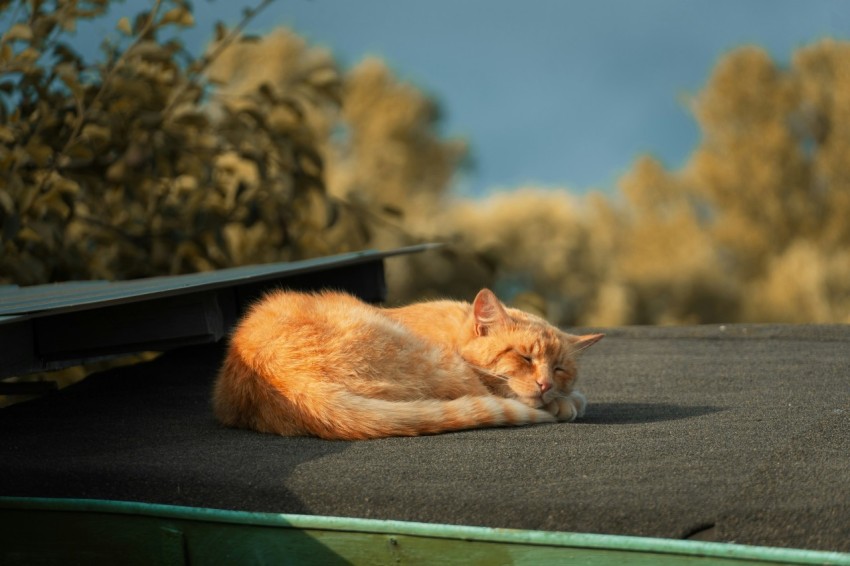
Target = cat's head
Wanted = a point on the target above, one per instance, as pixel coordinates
(520, 355)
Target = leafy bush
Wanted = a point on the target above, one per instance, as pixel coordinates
(142, 165)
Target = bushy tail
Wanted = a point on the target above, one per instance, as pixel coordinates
(351, 417)
(242, 400)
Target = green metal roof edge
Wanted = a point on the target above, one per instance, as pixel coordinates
(600, 542)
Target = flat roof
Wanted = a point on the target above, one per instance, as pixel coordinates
(709, 434)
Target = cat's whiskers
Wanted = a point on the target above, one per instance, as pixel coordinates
(488, 372)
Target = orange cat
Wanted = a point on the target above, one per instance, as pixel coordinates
(329, 365)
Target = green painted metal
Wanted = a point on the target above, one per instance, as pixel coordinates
(54, 531)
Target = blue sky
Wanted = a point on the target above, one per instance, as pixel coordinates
(547, 92)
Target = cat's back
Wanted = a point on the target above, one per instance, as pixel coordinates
(440, 322)
(297, 319)
(286, 345)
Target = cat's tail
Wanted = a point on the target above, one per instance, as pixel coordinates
(353, 417)
(333, 412)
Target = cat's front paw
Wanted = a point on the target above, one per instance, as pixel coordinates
(568, 408)
(579, 401)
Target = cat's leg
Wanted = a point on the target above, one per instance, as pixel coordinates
(567, 408)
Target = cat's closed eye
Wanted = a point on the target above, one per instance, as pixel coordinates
(526, 358)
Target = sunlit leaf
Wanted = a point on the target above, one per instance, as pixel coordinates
(191, 117)
(27, 56)
(64, 185)
(324, 77)
(124, 26)
(69, 24)
(6, 134)
(152, 50)
(96, 134)
(67, 73)
(6, 202)
(28, 234)
(179, 16)
(19, 32)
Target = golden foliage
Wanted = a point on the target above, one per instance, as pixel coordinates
(264, 150)
(753, 228)
(128, 168)
(393, 156)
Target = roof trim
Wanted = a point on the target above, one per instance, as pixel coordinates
(47, 327)
(70, 296)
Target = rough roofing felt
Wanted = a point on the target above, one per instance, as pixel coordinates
(733, 433)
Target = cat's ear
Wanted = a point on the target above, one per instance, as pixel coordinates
(488, 312)
(585, 341)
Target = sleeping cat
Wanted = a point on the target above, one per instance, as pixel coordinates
(331, 366)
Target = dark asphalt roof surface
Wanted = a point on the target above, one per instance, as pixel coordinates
(737, 433)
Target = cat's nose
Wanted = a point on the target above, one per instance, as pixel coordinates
(544, 386)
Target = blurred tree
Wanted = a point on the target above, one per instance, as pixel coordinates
(389, 165)
(753, 228)
(770, 167)
(142, 165)
(750, 164)
(153, 161)
(666, 256)
(392, 157)
(532, 240)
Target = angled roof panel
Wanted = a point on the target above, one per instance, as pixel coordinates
(82, 295)
(50, 326)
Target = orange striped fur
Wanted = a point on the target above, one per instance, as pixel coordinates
(331, 366)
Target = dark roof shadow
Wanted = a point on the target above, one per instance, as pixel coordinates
(145, 432)
(642, 413)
